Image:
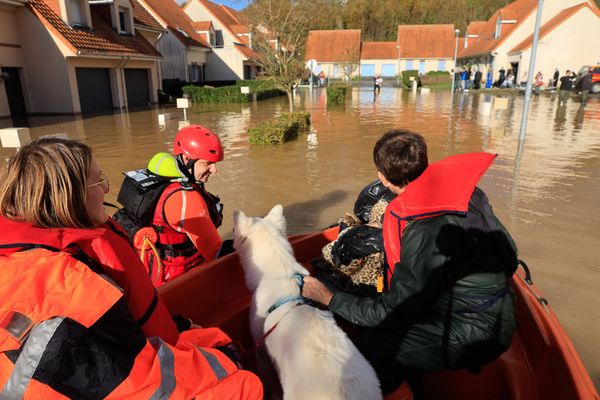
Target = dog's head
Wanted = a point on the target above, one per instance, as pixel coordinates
(262, 245)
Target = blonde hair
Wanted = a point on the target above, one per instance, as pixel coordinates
(45, 184)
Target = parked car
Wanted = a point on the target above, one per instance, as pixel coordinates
(595, 88)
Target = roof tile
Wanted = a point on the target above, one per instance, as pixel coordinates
(426, 41)
(333, 45)
(101, 40)
(176, 20)
(143, 17)
(379, 51)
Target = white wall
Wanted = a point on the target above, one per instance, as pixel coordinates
(566, 47)
(46, 86)
(11, 53)
(226, 63)
(174, 64)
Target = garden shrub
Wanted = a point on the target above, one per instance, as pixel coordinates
(406, 77)
(231, 94)
(280, 129)
(336, 94)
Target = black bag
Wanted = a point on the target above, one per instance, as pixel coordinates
(357, 242)
(139, 195)
(367, 198)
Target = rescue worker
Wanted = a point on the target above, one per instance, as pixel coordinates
(71, 286)
(186, 216)
(449, 260)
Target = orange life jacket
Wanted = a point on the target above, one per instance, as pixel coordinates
(177, 252)
(445, 187)
(110, 248)
(66, 332)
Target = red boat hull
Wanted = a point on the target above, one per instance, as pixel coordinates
(540, 364)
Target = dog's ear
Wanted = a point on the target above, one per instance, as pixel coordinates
(275, 216)
(240, 221)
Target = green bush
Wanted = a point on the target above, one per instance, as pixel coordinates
(435, 73)
(336, 94)
(231, 94)
(225, 94)
(406, 77)
(280, 129)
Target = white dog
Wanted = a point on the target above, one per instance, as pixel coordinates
(314, 357)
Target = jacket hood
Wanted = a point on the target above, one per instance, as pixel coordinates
(444, 187)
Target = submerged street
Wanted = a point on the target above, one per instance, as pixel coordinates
(544, 190)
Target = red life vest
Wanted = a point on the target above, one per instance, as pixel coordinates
(177, 252)
(444, 187)
(109, 247)
(63, 335)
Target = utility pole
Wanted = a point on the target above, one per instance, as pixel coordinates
(536, 36)
(456, 32)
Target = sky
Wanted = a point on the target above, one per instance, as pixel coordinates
(235, 4)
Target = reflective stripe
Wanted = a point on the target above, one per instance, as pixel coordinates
(183, 209)
(214, 363)
(167, 369)
(30, 357)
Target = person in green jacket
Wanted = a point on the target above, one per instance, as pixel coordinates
(447, 302)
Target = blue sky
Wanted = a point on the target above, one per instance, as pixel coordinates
(235, 4)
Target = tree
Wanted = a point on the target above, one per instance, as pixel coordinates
(279, 30)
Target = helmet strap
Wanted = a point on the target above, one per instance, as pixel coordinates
(186, 167)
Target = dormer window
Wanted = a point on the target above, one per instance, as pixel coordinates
(125, 21)
(213, 39)
(76, 14)
(218, 38)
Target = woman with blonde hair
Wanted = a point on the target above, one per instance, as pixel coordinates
(79, 316)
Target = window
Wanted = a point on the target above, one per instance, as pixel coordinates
(196, 72)
(124, 20)
(409, 65)
(219, 38)
(76, 14)
(441, 65)
(212, 39)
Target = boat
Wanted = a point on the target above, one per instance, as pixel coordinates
(541, 363)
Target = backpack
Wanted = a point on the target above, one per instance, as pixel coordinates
(139, 195)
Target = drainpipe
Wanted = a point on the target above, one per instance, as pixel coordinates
(119, 72)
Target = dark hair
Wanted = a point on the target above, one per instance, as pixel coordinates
(401, 156)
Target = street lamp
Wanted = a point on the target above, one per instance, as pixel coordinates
(398, 69)
(456, 32)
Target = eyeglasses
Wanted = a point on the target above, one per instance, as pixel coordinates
(104, 182)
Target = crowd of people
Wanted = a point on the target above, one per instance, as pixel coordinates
(81, 317)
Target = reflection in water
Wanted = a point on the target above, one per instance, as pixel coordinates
(544, 188)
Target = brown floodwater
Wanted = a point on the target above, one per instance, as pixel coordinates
(545, 190)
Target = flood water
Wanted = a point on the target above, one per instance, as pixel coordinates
(545, 191)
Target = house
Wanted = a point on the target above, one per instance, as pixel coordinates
(82, 57)
(379, 58)
(426, 47)
(562, 44)
(337, 52)
(185, 50)
(12, 100)
(231, 57)
(504, 41)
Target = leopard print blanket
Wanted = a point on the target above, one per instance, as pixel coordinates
(360, 276)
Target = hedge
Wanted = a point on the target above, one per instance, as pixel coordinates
(230, 94)
(406, 77)
(280, 129)
(336, 94)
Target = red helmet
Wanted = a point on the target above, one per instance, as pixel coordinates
(198, 143)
